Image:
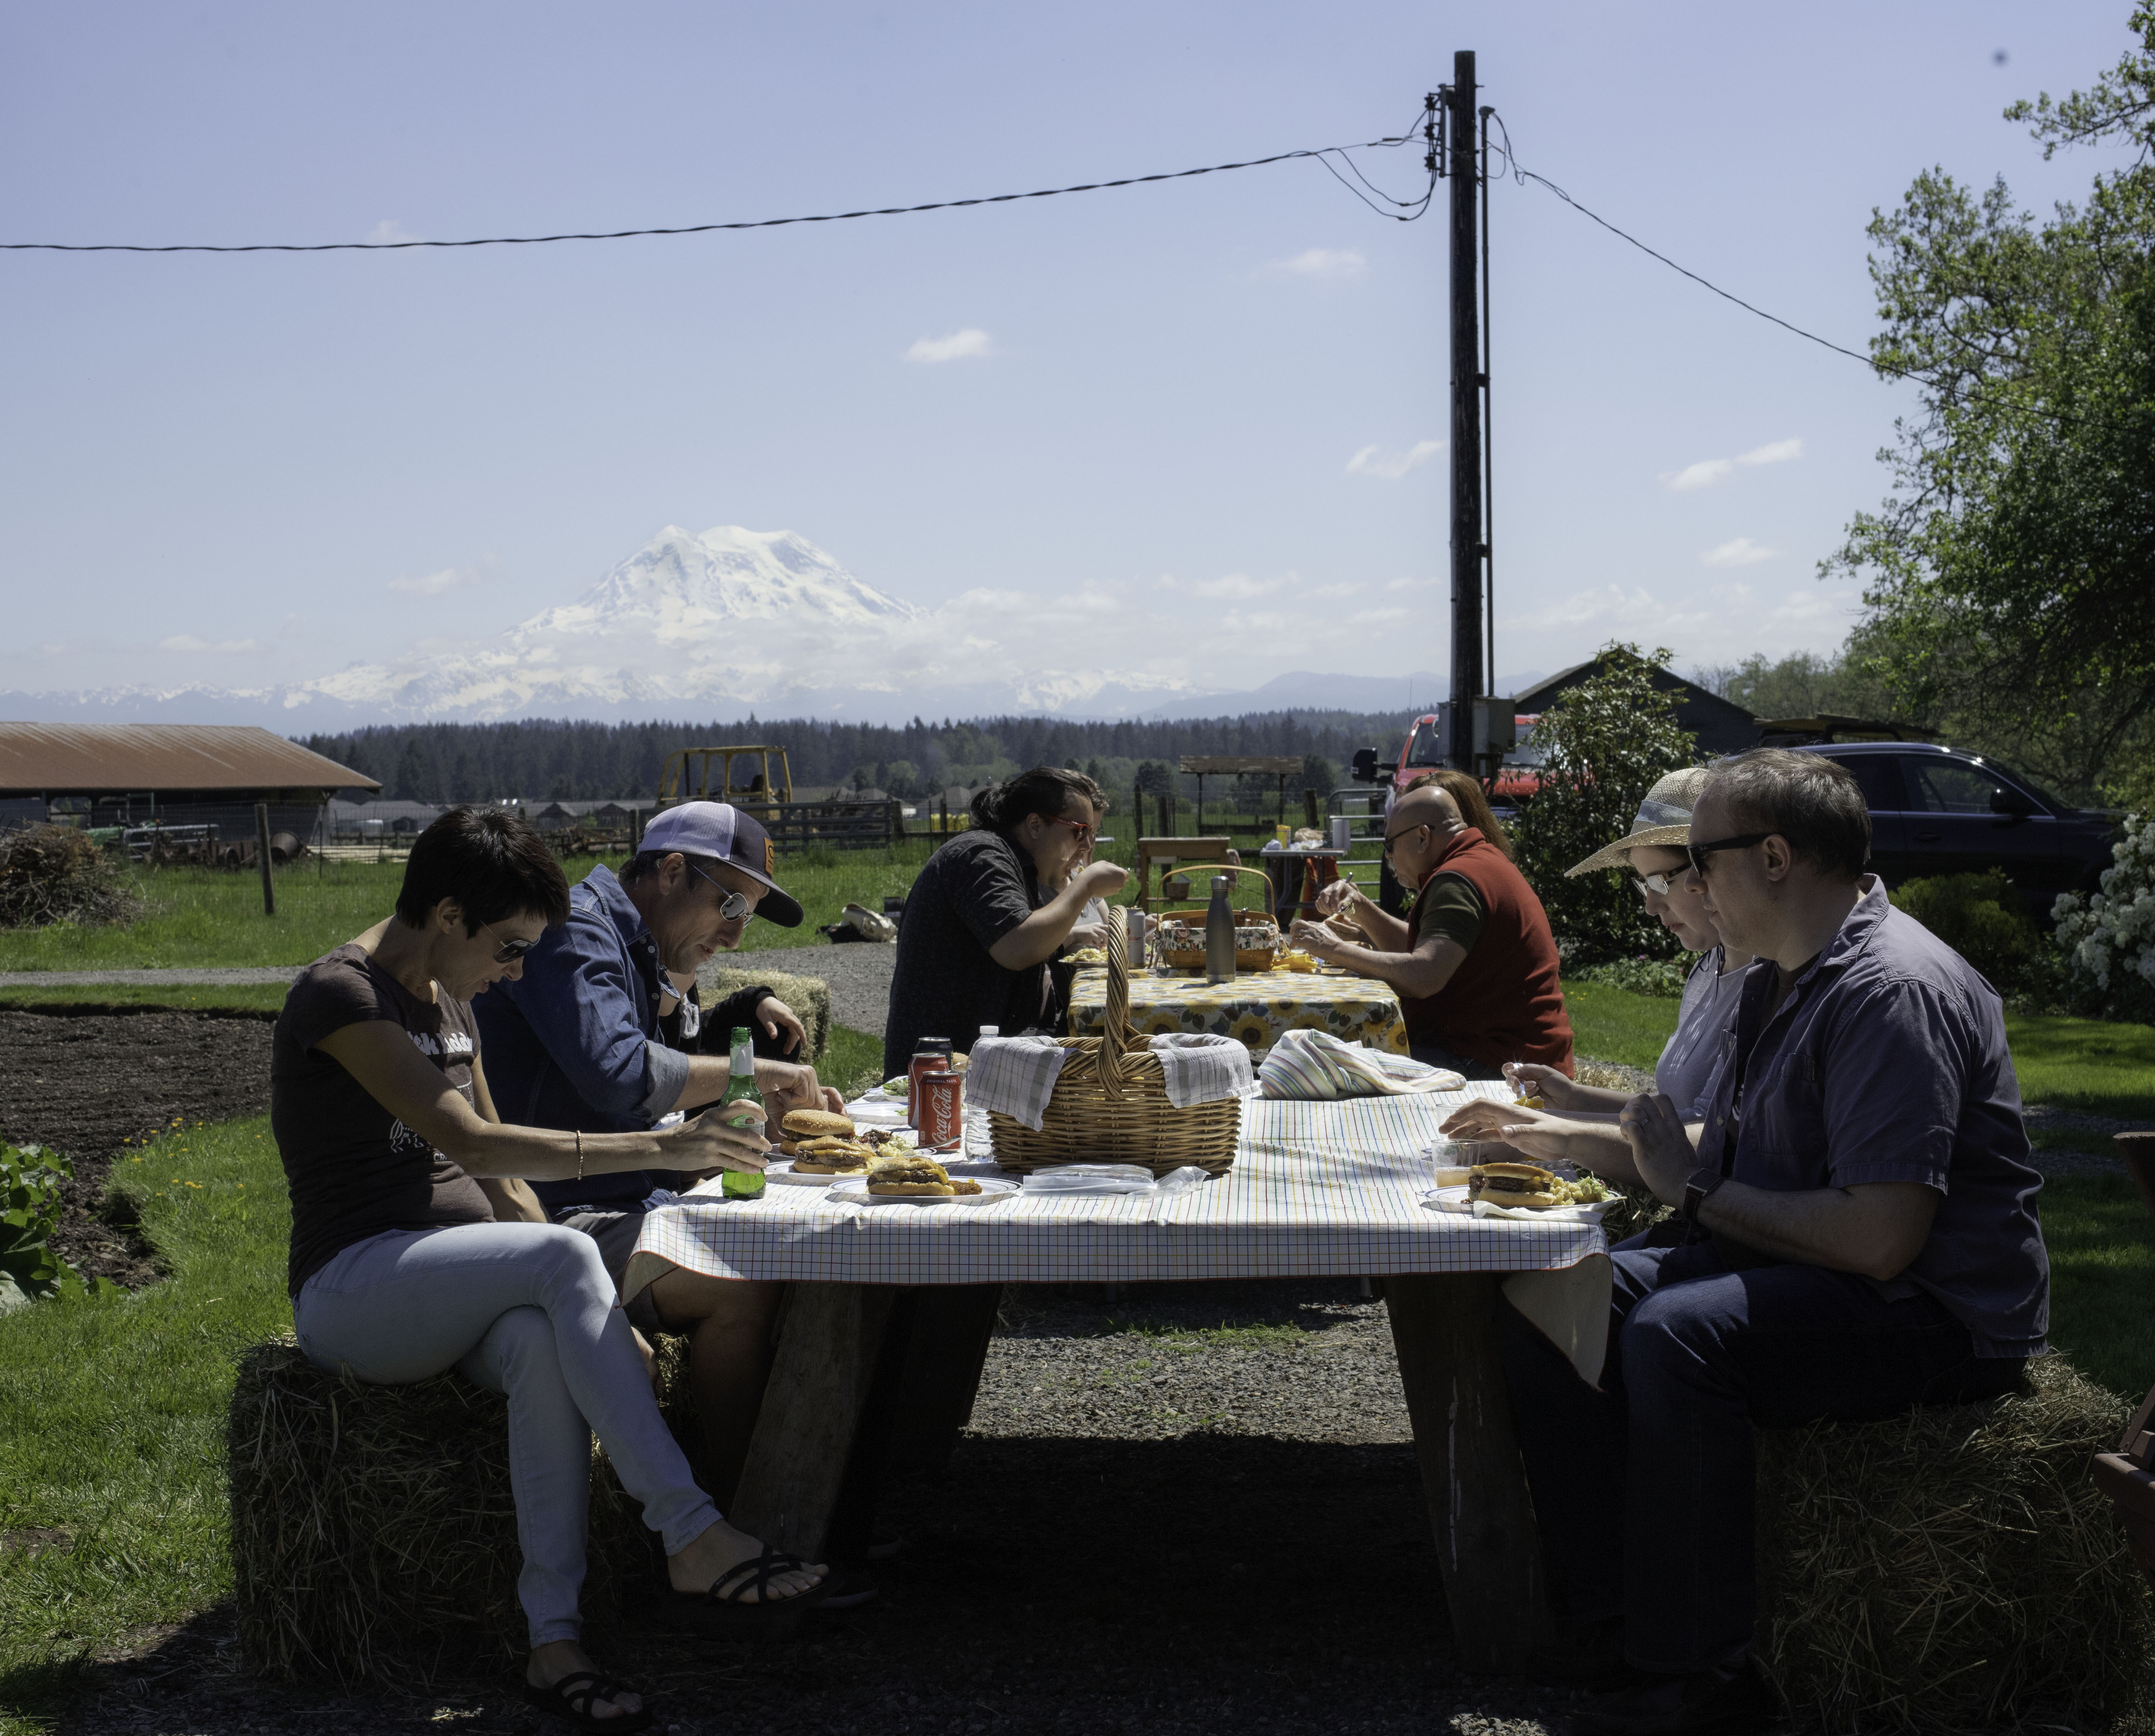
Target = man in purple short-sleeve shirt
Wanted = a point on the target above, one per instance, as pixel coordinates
(1859, 1237)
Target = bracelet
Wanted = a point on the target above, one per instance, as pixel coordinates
(580, 1153)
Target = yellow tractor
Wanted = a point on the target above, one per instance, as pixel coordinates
(755, 780)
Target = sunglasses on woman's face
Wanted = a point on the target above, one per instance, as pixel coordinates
(1660, 885)
(507, 952)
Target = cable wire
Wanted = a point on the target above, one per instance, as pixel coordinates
(1950, 393)
(1322, 155)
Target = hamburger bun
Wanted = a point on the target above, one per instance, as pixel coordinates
(1514, 1183)
(813, 1123)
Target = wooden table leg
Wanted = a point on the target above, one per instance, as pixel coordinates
(1487, 1542)
(952, 1324)
(828, 1337)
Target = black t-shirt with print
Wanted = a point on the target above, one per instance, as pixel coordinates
(354, 1169)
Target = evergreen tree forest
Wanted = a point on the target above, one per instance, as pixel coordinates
(564, 759)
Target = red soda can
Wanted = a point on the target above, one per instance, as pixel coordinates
(941, 1112)
(930, 1055)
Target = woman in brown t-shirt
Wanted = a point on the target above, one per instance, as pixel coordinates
(403, 1266)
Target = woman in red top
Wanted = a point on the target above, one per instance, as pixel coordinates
(1474, 962)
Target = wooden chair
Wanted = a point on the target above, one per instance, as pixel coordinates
(1167, 852)
(2127, 1476)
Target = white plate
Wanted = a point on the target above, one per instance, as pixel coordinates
(1454, 1199)
(782, 1174)
(855, 1188)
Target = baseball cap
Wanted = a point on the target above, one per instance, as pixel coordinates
(719, 829)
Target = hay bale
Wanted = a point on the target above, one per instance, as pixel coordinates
(1953, 1570)
(809, 997)
(373, 1528)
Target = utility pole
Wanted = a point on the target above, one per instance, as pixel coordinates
(1462, 122)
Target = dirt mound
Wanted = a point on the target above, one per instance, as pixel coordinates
(85, 1083)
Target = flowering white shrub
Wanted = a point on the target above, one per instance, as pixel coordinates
(2114, 929)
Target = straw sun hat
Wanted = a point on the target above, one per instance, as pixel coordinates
(1664, 820)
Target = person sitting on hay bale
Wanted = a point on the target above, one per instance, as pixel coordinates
(400, 1269)
(579, 1041)
(1577, 1124)
(1863, 1240)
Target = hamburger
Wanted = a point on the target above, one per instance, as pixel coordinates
(817, 1123)
(830, 1157)
(912, 1173)
(1512, 1183)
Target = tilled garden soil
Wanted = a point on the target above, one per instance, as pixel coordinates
(84, 1084)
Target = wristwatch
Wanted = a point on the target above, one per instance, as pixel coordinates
(1698, 1188)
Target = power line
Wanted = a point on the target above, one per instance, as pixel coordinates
(1950, 393)
(1322, 155)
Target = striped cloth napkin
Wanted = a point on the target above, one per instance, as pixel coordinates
(1316, 1064)
(1015, 1075)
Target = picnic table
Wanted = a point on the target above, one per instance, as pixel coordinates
(1255, 1007)
(885, 1331)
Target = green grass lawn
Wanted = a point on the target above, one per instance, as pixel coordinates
(1616, 1025)
(112, 1417)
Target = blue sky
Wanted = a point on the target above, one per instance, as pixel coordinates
(253, 469)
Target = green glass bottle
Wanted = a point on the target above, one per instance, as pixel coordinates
(740, 1087)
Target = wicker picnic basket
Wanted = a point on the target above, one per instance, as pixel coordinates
(1110, 1104)
(1247, 958)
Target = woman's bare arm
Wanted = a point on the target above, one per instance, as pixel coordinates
(380, 1056)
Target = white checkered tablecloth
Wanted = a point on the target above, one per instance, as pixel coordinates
(1317, 1189)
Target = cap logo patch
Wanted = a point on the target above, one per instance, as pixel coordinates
(770, 857)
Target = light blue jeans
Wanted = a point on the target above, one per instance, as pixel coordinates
(525, 1310)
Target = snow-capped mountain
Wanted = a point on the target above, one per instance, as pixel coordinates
(731, 621)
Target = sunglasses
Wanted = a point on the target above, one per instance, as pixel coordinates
(1395, 837)
(1085, 833)
(1699, 853)
(737, 904)
(1660, 885)
(507, 952)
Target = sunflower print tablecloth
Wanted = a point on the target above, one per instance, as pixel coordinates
(1256, 1008)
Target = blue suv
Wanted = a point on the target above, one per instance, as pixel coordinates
(1941, 811)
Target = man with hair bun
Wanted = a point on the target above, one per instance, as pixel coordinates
(990, 909)
(1860, 1239)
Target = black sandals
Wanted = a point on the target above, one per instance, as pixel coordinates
(740, 1596)
(572, 1697)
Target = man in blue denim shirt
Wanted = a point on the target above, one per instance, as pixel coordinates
(1862, 1238)
(578, 1043)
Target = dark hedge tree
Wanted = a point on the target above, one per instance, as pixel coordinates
(1603, 744)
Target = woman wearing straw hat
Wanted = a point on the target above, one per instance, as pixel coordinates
(1653, 853)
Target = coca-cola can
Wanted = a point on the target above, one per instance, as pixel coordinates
(932, 1054)
(940, 1114)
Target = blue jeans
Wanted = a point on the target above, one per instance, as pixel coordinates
(1643, 1487)
(526, 1310)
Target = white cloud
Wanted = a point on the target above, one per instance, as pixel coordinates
(389, 230)
(188, 642)
(1390, 466)
(959, 346)
(1737, 551)
(1708, 471)
(1337, 263)
(1702, 474)
(1229, 587)
(432, 584)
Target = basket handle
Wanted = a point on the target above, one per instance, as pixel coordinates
(1229, 867)
(1117, 1037)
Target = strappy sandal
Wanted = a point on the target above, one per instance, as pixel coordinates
(727, 1603)
(572, 1703)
